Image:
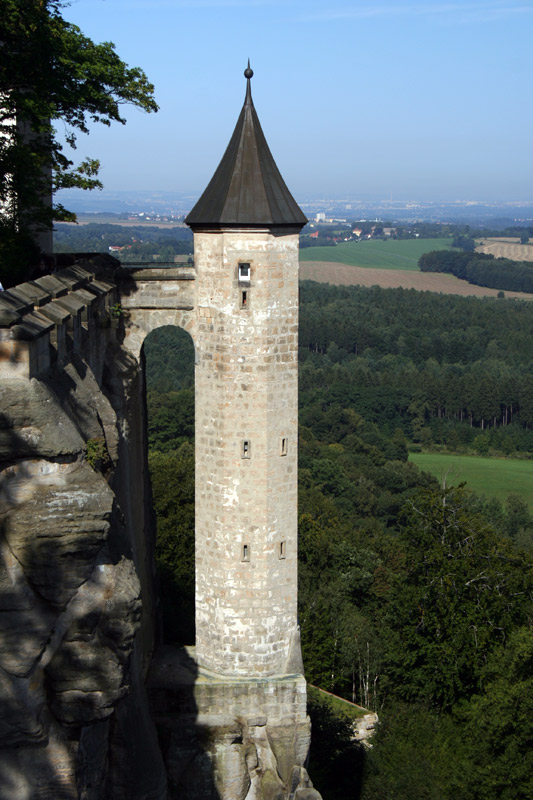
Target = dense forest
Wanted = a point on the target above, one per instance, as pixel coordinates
(443, 369)
(415, 599)
(481, 269)
(138, 242)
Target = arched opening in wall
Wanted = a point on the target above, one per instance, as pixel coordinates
(169, 368)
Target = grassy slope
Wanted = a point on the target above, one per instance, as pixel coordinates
(493, 477)
(388, 254)
(351, 710)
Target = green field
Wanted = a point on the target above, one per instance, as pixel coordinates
(378, 254)
(493, 477)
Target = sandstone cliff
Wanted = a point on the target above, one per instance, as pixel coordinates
(75, 550)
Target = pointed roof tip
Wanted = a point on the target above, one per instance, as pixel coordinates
(247, 188)
(248, 74)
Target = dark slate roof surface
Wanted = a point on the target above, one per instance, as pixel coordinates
(247, 188)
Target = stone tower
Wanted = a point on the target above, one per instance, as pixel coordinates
(246, 226)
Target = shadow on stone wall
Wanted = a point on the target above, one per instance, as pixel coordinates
(185, 743)
(69, 608)
(74, 720)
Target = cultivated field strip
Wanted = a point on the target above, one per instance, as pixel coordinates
(345, 275)
(507, 248)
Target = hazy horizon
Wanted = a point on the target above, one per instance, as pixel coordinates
(107, 197)
(341, 197)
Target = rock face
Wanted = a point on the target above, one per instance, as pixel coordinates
(75, 639)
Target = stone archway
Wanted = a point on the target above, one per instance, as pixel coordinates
(151, 298)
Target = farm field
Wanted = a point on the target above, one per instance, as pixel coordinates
(402, 254)
(345, 275)
(507, 248)
(493, 477)
(394, 263)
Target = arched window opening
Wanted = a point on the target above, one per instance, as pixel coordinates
(168, 356)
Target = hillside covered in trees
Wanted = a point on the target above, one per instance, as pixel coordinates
(136, 242)
(415, 599)
(440, 368)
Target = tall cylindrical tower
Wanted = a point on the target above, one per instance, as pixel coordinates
(246, 227)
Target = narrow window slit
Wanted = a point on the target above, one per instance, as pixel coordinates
(284, 446)
(244, 299)
(246, 448)
(245, 553)
(282, 553)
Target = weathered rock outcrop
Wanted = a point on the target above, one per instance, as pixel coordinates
(75, 550)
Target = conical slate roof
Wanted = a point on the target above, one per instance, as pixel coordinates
(247, 188)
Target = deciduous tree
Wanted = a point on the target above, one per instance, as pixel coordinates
(51, 72)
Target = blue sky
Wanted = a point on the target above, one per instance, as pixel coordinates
(415, 100)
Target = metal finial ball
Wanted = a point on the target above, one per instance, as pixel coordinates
(248, 73)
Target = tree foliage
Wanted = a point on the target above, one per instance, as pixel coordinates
(145, 242)
(413, 756)
(50, 71)
(459, 596)
(498, 725)
(172, 477)
(481, 269)
(439, 368)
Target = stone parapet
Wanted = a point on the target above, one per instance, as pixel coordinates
(43, 322)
